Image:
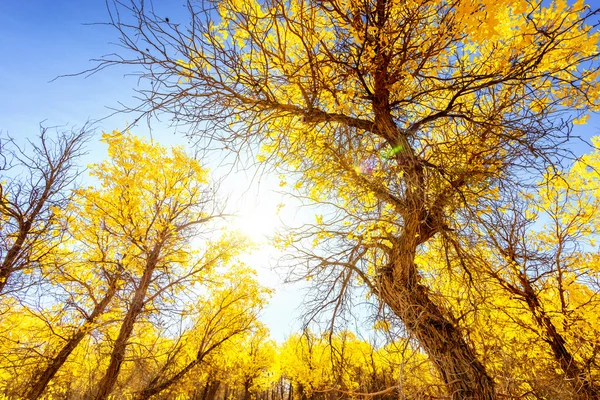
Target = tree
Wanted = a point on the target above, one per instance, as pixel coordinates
(34, 185)
(229, 311)
(532, 274)
(86, 273)
(251, 363)
(126, 295)
(152, 204)
(139, 224)
(403, 116)
(549, 269)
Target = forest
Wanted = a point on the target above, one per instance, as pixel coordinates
(455, 208)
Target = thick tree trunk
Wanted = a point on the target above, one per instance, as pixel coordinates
(44, 377)
(464, 375)
(118, 353)
(205, 390)
(247, 385)
(213, 390)
(462, 372)
(423, 216)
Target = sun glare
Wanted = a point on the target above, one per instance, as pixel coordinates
(258, 223)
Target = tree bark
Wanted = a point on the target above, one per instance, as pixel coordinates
(422, 215)
(213, 389)
(462, 372)
(247, 385)
(205, 390)
(154, 387)
(13, 254)
(465, 376)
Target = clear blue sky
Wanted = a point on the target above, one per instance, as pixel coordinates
(40, 40)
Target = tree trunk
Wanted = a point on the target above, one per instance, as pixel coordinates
(458, 364)
(584, 388)
(213, 389)
(423, 216)
(247, 389)
(137, 305)
(42, 380)
(154, 387)
(13, 254)
(205, 390)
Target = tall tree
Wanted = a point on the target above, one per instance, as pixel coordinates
(149, 205)
(33, 185)
(86, 275)
(229, 311)
(398, 114)
(550, 269)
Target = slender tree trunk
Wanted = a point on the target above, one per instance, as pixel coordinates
(213, 389)
(226, 393)
(13, 254)
(137, 305)
(247, 389)
(584, 388)
(44, 377)
(154, 387)
(281, 389)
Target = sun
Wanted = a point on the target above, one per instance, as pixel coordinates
(259, 222)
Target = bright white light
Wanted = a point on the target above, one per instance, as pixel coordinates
(258, 223)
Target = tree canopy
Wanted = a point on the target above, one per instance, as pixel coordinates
(408, 118)
(432, 137)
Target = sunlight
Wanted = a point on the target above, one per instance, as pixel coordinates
(258, 223)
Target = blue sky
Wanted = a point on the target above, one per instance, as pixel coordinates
(44, 39)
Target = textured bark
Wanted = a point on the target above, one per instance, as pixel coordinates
(422, 215)
(458, 364)
(462, 372)
(42, 380)
(465, 376)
